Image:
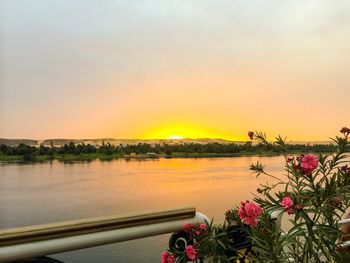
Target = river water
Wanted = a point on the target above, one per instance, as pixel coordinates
(55, 191)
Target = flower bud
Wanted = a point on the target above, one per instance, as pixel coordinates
(336, 201)
(345, 130)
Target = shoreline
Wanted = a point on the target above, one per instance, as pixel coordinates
(106, 157)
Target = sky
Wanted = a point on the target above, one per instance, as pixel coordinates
(155, 69)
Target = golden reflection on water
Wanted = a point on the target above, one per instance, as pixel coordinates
(39, 193)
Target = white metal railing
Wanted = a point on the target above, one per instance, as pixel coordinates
(34, 241)
(29, 242)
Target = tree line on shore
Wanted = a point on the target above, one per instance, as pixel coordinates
(29, 152)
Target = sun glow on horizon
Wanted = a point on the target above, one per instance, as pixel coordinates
(175, 137)
(180, 131)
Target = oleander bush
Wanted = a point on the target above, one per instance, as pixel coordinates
(314, 193)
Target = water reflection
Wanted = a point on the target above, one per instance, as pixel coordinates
(53, 191)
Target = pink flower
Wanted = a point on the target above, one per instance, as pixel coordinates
(203, 226)
(309, 163)
(251, 135)
(187, 227)
(191, 252)
(167, 258)
(249, 213)
(287, 202)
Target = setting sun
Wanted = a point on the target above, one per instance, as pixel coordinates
(175, 137)
(178, 130)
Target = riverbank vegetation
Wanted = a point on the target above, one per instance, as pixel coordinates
(313, 193)
(72, 152)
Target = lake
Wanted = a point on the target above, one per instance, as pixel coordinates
(55, 191)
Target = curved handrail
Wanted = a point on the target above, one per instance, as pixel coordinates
(90, 225)
(30, 242)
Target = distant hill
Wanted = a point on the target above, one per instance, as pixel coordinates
(99, 142)
(15, 142)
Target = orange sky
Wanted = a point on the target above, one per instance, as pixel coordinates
(156, 69)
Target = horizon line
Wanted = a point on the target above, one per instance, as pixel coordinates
(153, 139)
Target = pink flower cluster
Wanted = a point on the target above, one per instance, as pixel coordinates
(249, 212)
(168, 258)
(309, 162)
(187, 227)
(288, 204)
(191, 252)
(195, 230)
